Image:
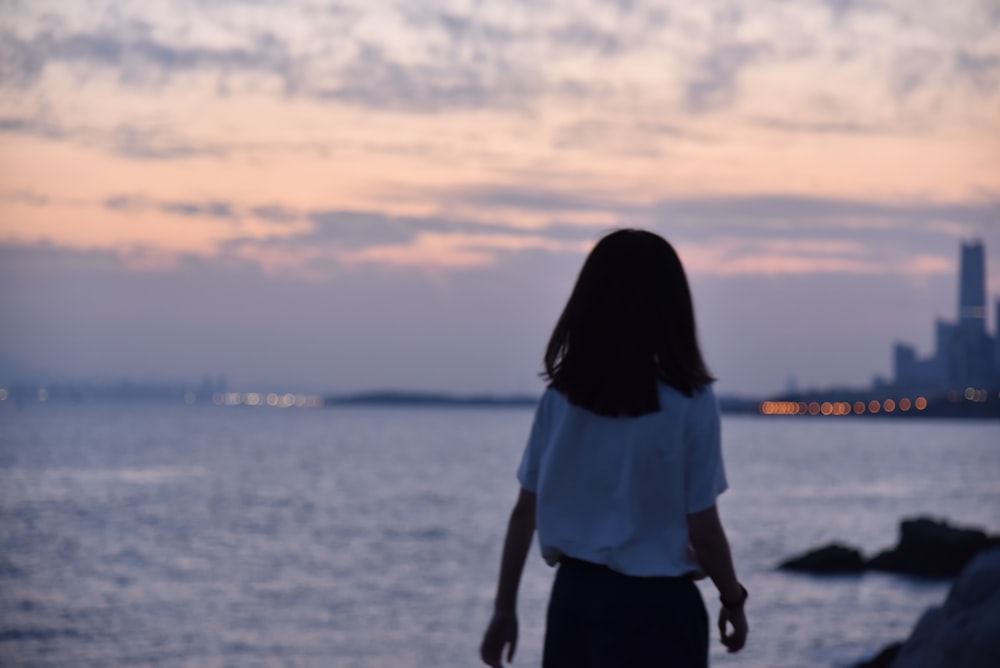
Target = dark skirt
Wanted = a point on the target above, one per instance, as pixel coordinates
(599, 618)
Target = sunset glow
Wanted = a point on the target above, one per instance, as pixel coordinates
(451, 145)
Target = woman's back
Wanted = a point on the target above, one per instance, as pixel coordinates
(617, 491)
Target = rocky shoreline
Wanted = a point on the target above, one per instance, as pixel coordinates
(965, 629)
(962, 632)
(927, 547)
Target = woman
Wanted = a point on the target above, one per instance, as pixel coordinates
(621, 474)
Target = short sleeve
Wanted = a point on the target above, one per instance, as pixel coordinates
(527, 473)
(705, 474)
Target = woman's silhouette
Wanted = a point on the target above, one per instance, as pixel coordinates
(621, 474)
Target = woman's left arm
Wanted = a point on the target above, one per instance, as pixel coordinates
(502, 630)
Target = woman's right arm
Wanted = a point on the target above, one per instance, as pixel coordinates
(502, 630)
(708, 539)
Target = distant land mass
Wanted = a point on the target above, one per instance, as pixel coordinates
(393, 398)
(21, 392)
(878, 402)
(403, 398)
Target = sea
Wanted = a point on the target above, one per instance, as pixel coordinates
(209, 537)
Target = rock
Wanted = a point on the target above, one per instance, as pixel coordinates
(829, 559)
(930, 548)
(965, 631)
(883, 659)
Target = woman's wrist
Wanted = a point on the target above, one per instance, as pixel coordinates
(735, 604)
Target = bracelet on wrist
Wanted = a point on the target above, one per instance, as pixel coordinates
(735, 606)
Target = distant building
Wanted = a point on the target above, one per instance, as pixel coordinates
(996, 340)
(972, 287)
(965, 354)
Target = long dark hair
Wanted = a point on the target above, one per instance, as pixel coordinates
(629, 323)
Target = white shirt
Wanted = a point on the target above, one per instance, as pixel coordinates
(617, 491)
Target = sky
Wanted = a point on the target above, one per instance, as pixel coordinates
(369, 194)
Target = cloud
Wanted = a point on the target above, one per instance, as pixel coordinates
(805, 211)
(137, 57)
(126, 203)
(430, 58)
(749, 235)
(375, 79)
(716, 82)
(981, 70)
(210, 209)
(135, 140)
(844, 127)
(35, 126)
(446, 250)
(579, 35)
(611, 137)
(274, 213)
(718, 214)
(338, 240)
(366, 72)
(29, 197)
(535, 199)
(815, 256)
(205, 210)
(147, 141)
(734, 234)
(21, 63)
(914, 70)
(355, 230)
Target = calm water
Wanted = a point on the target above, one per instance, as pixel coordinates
(211, 537)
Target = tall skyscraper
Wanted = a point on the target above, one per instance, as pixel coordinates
(996, 345)
(972, 288)
(969, 355)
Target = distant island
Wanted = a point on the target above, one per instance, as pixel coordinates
(398, 398)
(152, 392)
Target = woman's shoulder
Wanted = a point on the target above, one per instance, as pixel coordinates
(552, 400)
(705, 395)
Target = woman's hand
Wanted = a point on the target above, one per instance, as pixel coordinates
(503, 627)
(737, 637)
(501, 631)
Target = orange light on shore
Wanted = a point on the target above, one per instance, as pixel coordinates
(841, 407)
(779, 408)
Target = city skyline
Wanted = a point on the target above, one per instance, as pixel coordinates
(350, 196)
(966, 354)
